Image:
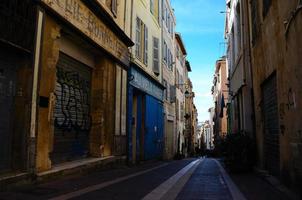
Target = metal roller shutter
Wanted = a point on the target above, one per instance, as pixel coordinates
(7, 96)
(271, 126)
(72, 120)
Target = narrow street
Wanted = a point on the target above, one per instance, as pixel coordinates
(202, 178)
(150, 99)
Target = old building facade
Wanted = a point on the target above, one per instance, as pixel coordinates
(240, 105)
(145, 88)
(168, 72)
(82, 82)
(181, 73)
(220, 97)
(17, 49)
(276, 61)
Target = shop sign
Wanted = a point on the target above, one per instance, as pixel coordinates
(77, 13)
(145, 84)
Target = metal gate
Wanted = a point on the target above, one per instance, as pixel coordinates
(154, 124)
(72, 120)
(271, 126)
(7, 93)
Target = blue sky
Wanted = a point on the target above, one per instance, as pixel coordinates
(202, 27)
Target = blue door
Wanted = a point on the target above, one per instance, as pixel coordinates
(153, 141)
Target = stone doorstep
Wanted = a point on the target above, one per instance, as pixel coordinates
(80, 166)
(276, 184)
(14, 179)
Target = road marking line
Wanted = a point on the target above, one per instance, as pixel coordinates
(235, 192)
(165, 187)
(102, 185)
(179, 185)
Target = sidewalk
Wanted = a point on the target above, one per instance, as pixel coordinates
(255, 187)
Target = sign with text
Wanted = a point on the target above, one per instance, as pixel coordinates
(77, 13)
(142, 82)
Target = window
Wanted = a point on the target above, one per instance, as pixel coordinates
(238, 28)
(156, 56)
(114, 6)
(166, 90)
(138, 38)
(152, 6)
(141, 41)
(254, 13)
(172, 94)
(266, 5)
(165, 52)
(145, 45)
(167, 17)
(168, 58)
(233, 50)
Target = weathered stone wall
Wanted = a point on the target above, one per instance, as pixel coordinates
(102, 99)
(278, 49)
(49, 58)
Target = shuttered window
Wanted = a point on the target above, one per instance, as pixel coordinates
(114, 6)
(155, 56)
(138, 38)
(254, 13)
(145, 45)
(166, 90)
(152, 6)
(172, 94)
(165, 52)
(266, 7)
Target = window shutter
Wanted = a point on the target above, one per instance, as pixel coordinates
(169, 61)
(114, 6)
(166, 90)
(145, 45)
(152, 6)
(138, 37)
(172, 93)
(165, 52)
(156, 56)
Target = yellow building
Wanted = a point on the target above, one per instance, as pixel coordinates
(145, 92)
(82, 81)
(168, 68)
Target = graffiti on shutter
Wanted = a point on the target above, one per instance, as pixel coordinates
(72, 109)
(72, 120)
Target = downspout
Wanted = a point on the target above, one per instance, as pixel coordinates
(250, 70)
(33, 121)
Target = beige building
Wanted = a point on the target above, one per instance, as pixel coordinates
(168, 68)
(188, 145)
(240, 105)
(220, 97)
(181, 73)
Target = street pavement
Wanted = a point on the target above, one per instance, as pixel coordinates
(187, 179)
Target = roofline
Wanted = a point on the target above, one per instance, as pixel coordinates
(181, 43)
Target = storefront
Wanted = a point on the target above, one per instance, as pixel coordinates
(82, 85)
(17, 25)
(145, 117)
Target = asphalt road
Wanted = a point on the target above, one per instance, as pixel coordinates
(184, 179)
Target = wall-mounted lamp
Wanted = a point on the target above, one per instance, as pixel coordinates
(223, 12)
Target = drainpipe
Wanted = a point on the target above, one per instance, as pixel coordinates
(250, 66)
(33, 121)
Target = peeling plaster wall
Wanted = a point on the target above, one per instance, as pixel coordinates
(276, 51)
